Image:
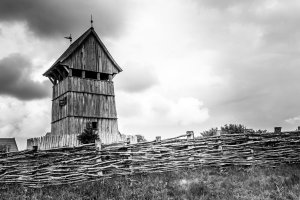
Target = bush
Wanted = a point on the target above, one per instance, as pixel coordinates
(88, 136)
(233, 128)
(210, 132)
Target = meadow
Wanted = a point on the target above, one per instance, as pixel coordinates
(228, 183)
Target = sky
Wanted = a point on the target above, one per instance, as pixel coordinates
(187, 64)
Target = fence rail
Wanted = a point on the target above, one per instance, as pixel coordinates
(91, 162)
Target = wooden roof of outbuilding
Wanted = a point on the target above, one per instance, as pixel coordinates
(76, 44)
(9, 141)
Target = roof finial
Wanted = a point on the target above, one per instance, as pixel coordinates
(92, 21)
(69, 38)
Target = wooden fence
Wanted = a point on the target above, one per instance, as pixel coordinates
(56, 141)
(91, 162)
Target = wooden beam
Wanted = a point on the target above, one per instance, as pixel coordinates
(66, 68)
(52, 81)
(60, 73)
(110, 77)
(70, 72)
(55, 76)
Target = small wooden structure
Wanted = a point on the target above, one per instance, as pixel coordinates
(83, 90)
(8, 145)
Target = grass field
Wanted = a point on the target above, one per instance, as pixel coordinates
(230, 183)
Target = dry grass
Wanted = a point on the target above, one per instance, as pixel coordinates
(229, 183)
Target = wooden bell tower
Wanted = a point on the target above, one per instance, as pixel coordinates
(83, 90)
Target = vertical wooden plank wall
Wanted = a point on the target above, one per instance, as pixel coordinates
(56, 141)
(91, 57)
(87, 100)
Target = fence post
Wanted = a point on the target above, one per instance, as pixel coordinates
(277, 129)
(129, 158)
(158, 139)
(128, 140)
(98, 148)
(34, 148)
(219, 133)
(298, 128)
(190, 136)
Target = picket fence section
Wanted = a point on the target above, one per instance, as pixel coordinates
(56, 141)
(39, 168)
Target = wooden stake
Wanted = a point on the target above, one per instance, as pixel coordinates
(277, 129)
(158, 138)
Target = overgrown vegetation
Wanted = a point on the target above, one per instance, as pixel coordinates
(231, 129)
(232, 183)
(140, 138)
(88, 136)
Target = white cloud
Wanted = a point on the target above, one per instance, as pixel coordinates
(153, 114)
(24, 120)
(293, 120)
(187, 111)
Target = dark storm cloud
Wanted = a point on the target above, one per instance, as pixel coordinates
(56, 17)
(15, 79)
(262, 92)
(258, 63)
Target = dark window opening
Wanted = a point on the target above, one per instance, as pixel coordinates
(90, 74)
(77, 73)
(104, 76)
(94, 125)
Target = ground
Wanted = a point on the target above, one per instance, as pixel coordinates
(230, 183)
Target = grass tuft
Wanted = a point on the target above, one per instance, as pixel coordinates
(231, 183)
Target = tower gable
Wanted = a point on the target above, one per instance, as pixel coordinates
(91, 56)
(87, 53)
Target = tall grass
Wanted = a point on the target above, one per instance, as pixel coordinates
(229, 183)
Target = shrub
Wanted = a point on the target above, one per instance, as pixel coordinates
(88, 136)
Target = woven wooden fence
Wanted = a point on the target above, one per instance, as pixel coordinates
(92, 162)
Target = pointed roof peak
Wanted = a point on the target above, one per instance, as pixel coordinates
(77, 43)
(92, 21)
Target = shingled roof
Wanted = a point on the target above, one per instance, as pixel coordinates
(77, 43)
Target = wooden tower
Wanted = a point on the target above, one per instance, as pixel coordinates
(83, 90)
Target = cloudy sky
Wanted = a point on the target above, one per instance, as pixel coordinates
(188, 64)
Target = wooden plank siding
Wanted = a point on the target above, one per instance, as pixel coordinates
(9, 144)
(56, 141)
(87, 100)
(75, 125)
(84, 105)
(75, 84)
(91, 57)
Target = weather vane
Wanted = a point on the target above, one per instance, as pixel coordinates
(92, 21)
(69, 38)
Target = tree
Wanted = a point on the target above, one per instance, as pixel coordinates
(88, 136)
(233, 128)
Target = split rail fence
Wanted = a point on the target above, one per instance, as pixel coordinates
(34, 168)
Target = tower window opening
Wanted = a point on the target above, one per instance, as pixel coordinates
(104, 77)
(94, 125)
(91, 75)
(77, 73)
